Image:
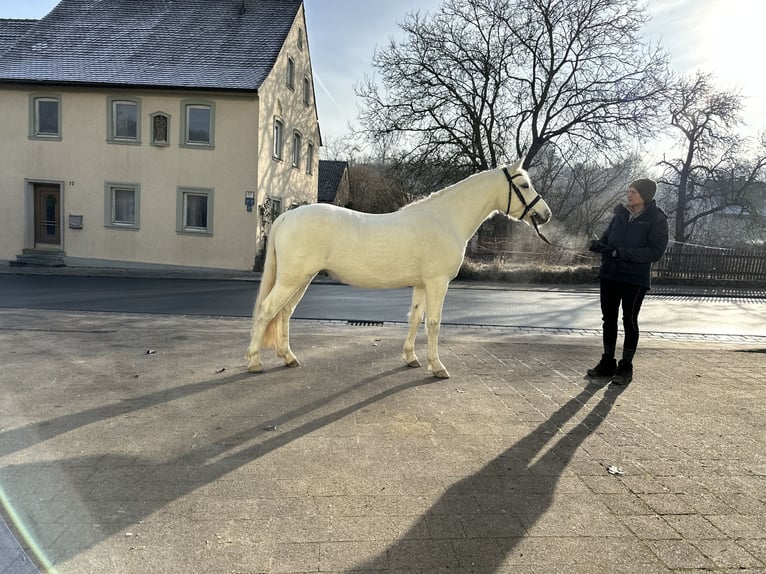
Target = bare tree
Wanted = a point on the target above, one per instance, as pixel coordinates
(479, 81)
(714, 172)
(583, 194)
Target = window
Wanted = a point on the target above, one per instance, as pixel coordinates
(194, 211)
(276, 207)
(300, 39)
(121, 205)
(270, 209)
(306, 90)
(279, 129)
(290, 73)
(123, 120)
(296, 149)
(45, 117)
(160, 123)
(198, 127)
(310, 158)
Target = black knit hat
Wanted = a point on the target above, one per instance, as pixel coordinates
(646, 188)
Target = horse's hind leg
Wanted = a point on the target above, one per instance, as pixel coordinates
(417, 309)
(284, 350)
(272, 304)
(435, 293)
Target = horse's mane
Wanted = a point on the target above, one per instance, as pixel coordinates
(444, 191)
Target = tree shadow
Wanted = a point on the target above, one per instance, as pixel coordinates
(508, 497)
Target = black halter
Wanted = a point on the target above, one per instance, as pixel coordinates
(513, 188)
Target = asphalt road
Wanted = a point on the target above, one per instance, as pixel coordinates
(557, 309)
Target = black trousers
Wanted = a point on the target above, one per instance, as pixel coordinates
(613, 295)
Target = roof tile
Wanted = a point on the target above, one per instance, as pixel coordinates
(209, 44)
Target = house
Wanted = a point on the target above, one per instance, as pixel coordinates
(334, 184)
(154, 133)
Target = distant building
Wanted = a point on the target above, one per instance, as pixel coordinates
(160, 133)
(333, 182)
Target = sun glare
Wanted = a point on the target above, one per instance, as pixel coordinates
(733, 36)
(732, 48)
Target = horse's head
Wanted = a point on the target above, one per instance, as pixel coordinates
(524, 203)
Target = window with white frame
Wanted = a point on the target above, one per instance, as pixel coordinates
(121, 205)
(45, 116)
(124, 120)
(194, 210)
(198, 124)
(297, 149)
(279, 134)
(310, 158)
(290, 79)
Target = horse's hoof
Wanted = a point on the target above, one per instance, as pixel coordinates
(414, 363)
(441, 374)
(294, 363)
(255, 368)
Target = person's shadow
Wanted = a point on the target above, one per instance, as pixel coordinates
(508, 497)
(114, 492)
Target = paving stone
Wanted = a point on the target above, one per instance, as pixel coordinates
(680, 554)
(728, 554)
(356, 463)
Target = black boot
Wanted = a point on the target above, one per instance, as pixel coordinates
(624, 373)
(606, 367)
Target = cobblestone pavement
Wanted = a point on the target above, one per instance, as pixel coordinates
(136, 443)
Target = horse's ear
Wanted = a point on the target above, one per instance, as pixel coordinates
(519, 163)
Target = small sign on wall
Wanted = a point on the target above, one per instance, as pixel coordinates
(75, 221)
(249, 200)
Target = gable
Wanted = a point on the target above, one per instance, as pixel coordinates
(207, 44)
(330, 177)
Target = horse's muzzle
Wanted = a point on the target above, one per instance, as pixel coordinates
(541, 218)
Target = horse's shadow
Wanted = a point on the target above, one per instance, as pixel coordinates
(483, 535)
(509, 496)
(52, 500)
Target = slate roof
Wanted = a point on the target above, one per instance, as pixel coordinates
(12, 30)
(330, 175)
(207, 44)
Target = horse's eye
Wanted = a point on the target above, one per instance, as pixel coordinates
(525, 185)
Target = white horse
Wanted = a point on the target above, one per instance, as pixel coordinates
(420, 246)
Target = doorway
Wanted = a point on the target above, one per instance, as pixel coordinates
(47, 214)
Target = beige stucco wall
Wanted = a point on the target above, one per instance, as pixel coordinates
(278, 178)
(83, 162)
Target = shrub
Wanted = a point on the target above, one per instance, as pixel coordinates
(499, 271)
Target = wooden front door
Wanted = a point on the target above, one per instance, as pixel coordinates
(47, 214)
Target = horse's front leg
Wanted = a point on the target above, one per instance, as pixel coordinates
(435, 293)
(415, 318)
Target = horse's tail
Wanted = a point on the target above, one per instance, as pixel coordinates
(273, 333)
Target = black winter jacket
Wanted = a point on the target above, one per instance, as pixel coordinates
(632, 246)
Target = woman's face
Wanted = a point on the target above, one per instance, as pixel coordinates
(635, 201)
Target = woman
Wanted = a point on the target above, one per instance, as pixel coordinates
(636, 237)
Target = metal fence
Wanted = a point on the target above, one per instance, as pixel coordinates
(686, 263)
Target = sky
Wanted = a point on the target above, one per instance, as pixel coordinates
(717, 36)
